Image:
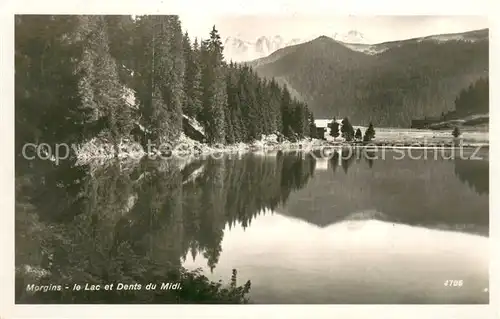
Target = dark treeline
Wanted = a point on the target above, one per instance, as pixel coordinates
(76, 77)
(473, 99)
(137, 224)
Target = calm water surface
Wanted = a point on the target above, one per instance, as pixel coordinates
(303, 230)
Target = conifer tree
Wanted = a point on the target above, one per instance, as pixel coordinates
(121, 44)
(286, 114)
(255, 121)
(191, 101)
(347, 130)
(358, 134)
(233, 113)
(100, 88)
(160, 74)
(170, 74)
(334, 129)
(312, 125)
(369, 133)
(275, 106)
(197, 88)
(214, 88)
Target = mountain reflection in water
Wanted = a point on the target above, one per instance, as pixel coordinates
(338, 230)
(363, 261)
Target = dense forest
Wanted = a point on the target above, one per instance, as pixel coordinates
(474, 99)
(79, 77)
(471, 109)
(407, 80)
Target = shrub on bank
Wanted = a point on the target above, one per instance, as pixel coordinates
(193, 288)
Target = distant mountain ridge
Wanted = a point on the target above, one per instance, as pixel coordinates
(389, 83)
(470, 36)
(239, 50)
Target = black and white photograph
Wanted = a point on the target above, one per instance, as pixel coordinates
(251, 159)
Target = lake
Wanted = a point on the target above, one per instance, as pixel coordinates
(366, 227)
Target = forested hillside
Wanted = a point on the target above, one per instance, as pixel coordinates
(73, 74)
(474, 99)
(406, 80)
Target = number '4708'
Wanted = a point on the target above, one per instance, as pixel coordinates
(453, 283)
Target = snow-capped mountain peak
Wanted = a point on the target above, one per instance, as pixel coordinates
(239, 50)
(234, 42)
(352, 36)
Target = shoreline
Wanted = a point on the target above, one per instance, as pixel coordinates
(185, 148)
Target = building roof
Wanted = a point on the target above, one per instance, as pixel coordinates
(324, 122)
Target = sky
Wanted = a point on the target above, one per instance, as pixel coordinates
(376, 29)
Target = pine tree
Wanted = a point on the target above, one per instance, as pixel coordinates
(286, 113)
(214, 88)
(159, 116)
(121, 38)
(369, 133)
(233, 114)
(262, 104)
(334, 129)
(144, 82)
(307, 118)
(191, 101)
(252, 117)
(358, 134)
(275, 106)
(312, 126)
(197, 92)
(170, 74)
(100, 88)
(347, 130)
(299, 119)
(159, 78)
